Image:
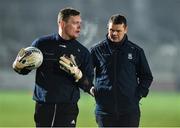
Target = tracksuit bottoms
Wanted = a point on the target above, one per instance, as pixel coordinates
(55, 115)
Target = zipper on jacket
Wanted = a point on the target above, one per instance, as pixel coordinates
(114, 86)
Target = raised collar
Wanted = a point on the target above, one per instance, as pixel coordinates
(119, 45)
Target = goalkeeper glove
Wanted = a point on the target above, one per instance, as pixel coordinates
(19, 63)
(24, 60)
(69, 65)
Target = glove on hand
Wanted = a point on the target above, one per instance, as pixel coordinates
(69, 65)
(22, 61)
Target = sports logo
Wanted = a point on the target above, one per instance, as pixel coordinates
(73, 122)
(130, 57)
(78, 50)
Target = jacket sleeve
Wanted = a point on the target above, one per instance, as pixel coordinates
(86, 82)
(144, 75)
(93, 57)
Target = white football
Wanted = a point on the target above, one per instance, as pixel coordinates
(33, 57)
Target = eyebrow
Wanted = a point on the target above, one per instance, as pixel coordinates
(115, 30)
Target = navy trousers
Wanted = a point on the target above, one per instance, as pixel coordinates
(124, 120)
(56, 115)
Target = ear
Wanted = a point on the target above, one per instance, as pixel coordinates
(61, 24)
(126, 29)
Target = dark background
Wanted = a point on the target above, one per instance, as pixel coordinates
(153, 24)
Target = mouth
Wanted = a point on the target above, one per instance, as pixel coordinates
(77, 32)
(114, 38)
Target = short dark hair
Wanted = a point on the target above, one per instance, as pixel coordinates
(118, 19)
(65, 13)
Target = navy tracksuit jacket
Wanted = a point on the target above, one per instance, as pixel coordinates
(122, 75)
(53, 85)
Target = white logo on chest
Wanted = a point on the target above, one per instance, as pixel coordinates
(130, 57)
(78, 50)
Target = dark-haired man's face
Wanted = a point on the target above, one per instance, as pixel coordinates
(116, 32)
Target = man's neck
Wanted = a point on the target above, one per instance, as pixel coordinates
(63, 35)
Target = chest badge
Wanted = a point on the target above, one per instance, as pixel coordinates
(78, 50)
(130, 57)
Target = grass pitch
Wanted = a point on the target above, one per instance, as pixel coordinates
(159, 109)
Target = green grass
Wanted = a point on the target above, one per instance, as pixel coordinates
(157, 110)
(161, 110)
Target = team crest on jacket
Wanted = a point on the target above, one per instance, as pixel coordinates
(78, 50)
(130, 56)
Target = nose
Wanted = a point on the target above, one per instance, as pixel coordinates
(114, 33)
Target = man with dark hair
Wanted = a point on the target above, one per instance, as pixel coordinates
(66, 67)
(123, 77)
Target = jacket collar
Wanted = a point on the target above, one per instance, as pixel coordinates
(115, 46)
(60, 39)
